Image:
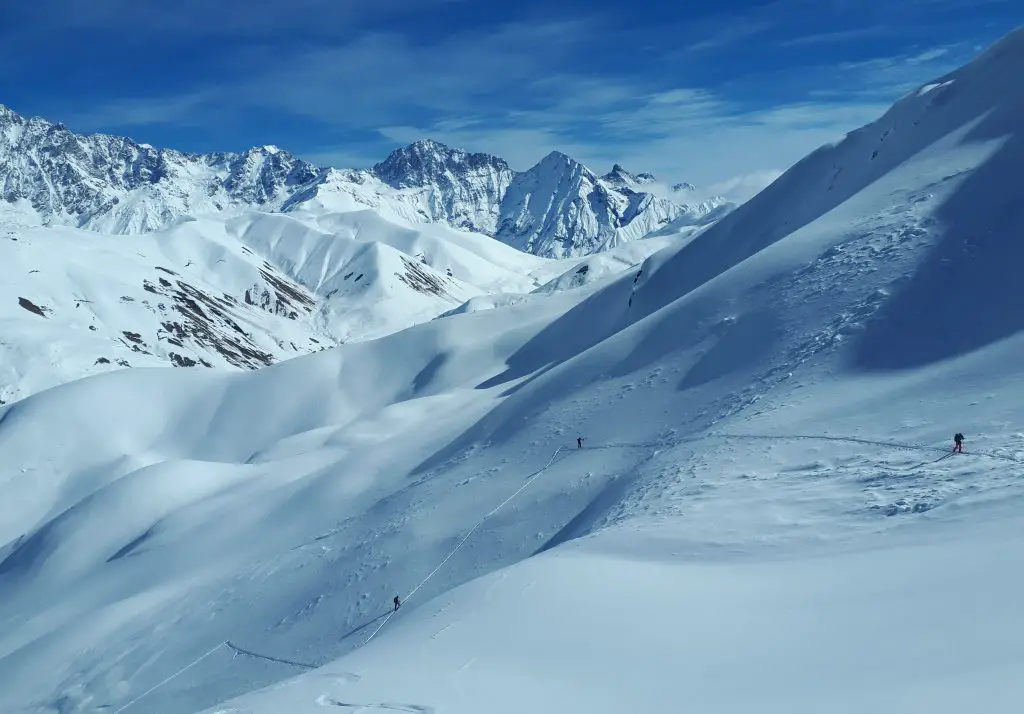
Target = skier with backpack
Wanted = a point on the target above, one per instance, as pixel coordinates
(958, 443)
(398, 603)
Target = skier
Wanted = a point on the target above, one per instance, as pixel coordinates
(398, 603)
(958, 443)
(579, 442)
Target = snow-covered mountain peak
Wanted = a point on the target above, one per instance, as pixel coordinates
(266, 175)
(683, 186)
(425, 162)
(460, 188)
(558, 161)
(561, 208)
(116, 185)
(7, 115)
(620, 178)
(557, 208)
(113, 184)
(12, 126)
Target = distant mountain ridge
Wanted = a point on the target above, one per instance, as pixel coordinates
(558, 208)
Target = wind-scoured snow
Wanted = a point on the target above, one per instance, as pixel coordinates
(765, 513)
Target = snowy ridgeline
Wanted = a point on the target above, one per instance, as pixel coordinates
(557, 209)
(249, 291)
(765, 514)
(243, 260)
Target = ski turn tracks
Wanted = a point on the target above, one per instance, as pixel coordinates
(526, 484)
(181, 671)
(533, 477)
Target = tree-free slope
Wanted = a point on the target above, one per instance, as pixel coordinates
(781, 513)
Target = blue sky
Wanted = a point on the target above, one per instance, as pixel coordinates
(719, 93)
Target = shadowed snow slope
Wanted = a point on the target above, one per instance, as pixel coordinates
(765, 495)
(932, 137)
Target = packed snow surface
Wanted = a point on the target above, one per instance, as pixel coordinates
(765, 513)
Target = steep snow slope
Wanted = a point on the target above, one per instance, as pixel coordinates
(828, 417)
(944, 127)
(784, 509)
(625, 624)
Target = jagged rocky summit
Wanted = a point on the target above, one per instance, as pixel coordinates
(558, 208)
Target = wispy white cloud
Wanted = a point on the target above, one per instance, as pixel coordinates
(929, 55)
(131, 21)
(189, 109)
(885, 64)
(383, 78)
(895, 75)
(846, 35)
(495, 91)
(730, 34)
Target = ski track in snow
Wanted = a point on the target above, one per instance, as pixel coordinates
(326, 701)
(247, 653)
(655, 447)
